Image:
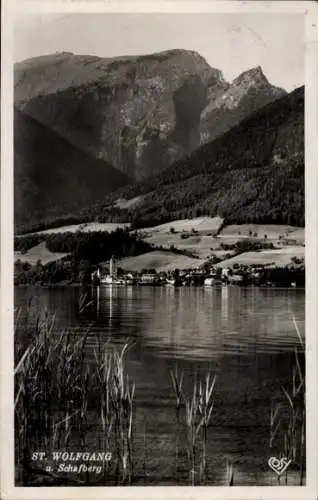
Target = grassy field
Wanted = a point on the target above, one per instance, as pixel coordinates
(199, 245)
(197, 236)
(198, 241)
(166, 261)
(298, 235)
(161, 261)
(86, 228)
(273, 232)
(39, 252)
(203, 245)
(279, 257)
(199, 224)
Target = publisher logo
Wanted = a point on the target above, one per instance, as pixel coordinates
(278, 465)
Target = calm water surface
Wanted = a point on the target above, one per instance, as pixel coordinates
(244, 335)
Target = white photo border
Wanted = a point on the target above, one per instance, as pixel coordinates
(7, 488)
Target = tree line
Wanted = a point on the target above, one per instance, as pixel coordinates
(85, 251)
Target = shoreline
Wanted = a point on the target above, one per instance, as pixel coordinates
(205, 287)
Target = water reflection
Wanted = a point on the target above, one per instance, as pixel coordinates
(184, 322)
(197, 322)
(97, 302)
(224, 303)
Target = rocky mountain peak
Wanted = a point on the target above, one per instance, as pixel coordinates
(253, 76)
(248, 92)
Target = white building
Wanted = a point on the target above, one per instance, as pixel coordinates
(226, 271)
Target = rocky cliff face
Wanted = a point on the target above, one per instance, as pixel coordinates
(138, 113)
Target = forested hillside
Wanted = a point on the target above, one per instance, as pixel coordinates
(253, 173)
(52, 177)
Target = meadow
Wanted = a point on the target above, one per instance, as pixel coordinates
(37, 253)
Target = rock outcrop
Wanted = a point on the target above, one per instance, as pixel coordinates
(249, 92)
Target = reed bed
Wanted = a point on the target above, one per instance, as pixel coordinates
(116, 410)
(56, 390)
(288, 414)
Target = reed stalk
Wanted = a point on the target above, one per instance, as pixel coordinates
(177, 381)
(193, 429)
(229, 473)
(198, 412)
(206, 404)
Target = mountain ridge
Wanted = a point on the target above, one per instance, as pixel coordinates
(139, 113)
(51, 175)
(252, 173)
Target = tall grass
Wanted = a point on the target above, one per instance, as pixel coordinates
(56, 388)
(206, 404)
(193, 429)
(116, 410)
(198, 408)
(229, 473)
(288, 415)
(177, 381)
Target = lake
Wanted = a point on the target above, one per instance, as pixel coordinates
(244, 336)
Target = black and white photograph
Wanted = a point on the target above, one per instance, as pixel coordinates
(159, 249)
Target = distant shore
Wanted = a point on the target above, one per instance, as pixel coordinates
(182, 253)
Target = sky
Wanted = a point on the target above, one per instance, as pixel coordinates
(231, 42)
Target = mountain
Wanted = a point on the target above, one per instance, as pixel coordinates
(252, 173)
(138, 113)
(247, 93)
(51, 176)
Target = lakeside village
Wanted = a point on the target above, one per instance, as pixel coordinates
(208, 275)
